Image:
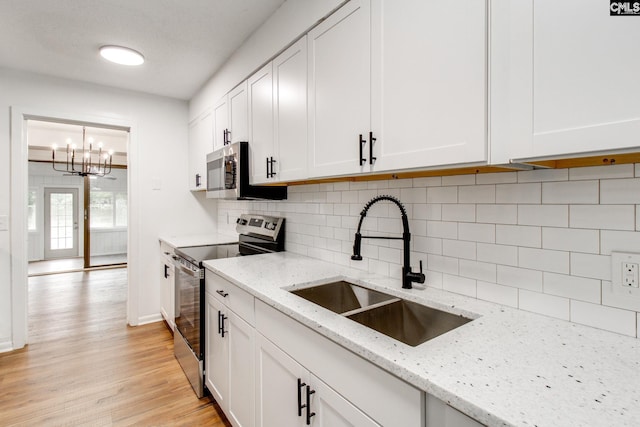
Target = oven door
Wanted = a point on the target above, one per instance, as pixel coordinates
(188, 305)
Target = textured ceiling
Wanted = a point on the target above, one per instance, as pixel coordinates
(184, 41)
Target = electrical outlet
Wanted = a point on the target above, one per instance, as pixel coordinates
(630, 274)
(625, 273)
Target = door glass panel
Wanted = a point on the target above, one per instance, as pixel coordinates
(61, 221)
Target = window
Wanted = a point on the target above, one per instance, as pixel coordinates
(108, 209)
(31, 210)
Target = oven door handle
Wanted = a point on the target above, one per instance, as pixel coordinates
(190, 272)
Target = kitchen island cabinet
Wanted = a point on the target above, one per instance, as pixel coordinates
(562, 80)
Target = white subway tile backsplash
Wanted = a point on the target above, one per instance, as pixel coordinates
(570, 192)
(499, 294)
(459, 180)
(459, 212)
(477, 270)
(519, 193)
(459, 249)
(593, 266)
(496, 214)
(477, 232)
(497, 254)
(620, 191)
(602, 172)
(413, 195)
(521, 278)
(459, 285)
(541, 175)
(442, 195)
(603, 317)
(443, 229)
(607, 217)
(577, 288)
(519, 235)
(497, 178)
(548, 305)
(477, 194)
(538, 240)
(571, 239)
(545, 215)
(619, 241)
(544, 260)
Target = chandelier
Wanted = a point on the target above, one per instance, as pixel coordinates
(90, 163)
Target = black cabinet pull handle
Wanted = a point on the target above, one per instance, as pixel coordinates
(198, 183)
(166, 271)
(362, 142)
(222, 293)
(268, 173)
(372, 159)
(308, 405)
(300, 405)
(219, 322)
(228, 137)
(272, 173)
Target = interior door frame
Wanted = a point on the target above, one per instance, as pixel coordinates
(47, 218)
(18, 211)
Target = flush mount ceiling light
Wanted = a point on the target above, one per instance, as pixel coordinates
(121, 55)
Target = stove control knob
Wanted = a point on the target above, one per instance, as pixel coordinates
(241, 221)
(270, 226)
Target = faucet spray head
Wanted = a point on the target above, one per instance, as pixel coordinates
(356, 248)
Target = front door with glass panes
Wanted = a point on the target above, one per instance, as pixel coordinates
(61, 223)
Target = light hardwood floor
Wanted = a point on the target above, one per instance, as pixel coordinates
(85, 366)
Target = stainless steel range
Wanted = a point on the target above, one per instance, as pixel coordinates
(258, 235)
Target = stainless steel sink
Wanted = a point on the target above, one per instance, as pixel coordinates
(400, 319)
(408, 322)
(341, 296)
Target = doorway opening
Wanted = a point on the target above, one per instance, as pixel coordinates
(74, 222)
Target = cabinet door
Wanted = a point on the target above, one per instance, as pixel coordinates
(241, 401)
(200, 144)
(277, 391)
(260, 89)
(339, 90)
(220, 122)
(167, 291)
(428, 83)
(216, 351)
(238, 111)
(290, 112)
(562, 79)
(333, 410)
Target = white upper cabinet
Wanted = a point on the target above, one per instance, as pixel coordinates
(290, 112)
(278, 117)
(200, 144)
(429, 79)
(398, 85)
(230, 117)
(261, 133)
(339, 90)
(563, 79)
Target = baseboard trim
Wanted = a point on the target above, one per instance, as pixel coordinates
(152, 318)
(6, 346)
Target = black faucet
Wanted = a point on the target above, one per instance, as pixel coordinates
(408, 276)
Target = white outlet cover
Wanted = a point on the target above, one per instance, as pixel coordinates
(617, 259)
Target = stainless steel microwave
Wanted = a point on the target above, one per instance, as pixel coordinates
(228, 176)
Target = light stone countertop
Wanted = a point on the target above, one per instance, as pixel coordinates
(203, 239)
(506, 368)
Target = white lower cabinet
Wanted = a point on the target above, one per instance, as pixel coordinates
(287, 394)
(229, 353)
(167, 285)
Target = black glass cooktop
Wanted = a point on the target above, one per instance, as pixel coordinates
(197, 254)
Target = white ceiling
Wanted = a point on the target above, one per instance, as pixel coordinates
(184, 41)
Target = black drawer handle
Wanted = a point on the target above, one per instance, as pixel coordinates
(362, 142)
(198, 183)
(222, 293)
(372, 159)
(300, 405)
(309, 413)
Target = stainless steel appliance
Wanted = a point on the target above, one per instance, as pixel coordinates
(258, 234)
(228, 176)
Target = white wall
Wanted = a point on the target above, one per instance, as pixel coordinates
(289, 22)
(158, 156)
(537, 240)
